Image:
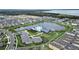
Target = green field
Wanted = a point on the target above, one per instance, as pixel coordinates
(32, 32)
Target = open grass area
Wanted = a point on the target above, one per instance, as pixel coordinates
(32, 32)
(48, 36)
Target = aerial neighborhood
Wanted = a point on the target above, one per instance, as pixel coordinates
(38, 32)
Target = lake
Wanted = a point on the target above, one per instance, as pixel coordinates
(65, 11)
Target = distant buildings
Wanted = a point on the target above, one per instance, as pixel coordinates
(22, 19)
(17, 20)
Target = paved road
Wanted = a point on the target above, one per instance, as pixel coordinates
(11, 41)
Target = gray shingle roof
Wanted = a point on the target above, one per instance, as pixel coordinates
(25, 38)
(36, 39)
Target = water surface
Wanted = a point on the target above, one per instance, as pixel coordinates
(65, 11)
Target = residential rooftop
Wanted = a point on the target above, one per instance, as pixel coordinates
(25, 38)
(37, 39)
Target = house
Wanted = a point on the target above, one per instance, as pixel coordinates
(37, 39)
(25, 38)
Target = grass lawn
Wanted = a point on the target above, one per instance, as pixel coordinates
(32, 32)
(49, 36)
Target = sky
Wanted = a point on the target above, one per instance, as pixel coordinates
(39, 4)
